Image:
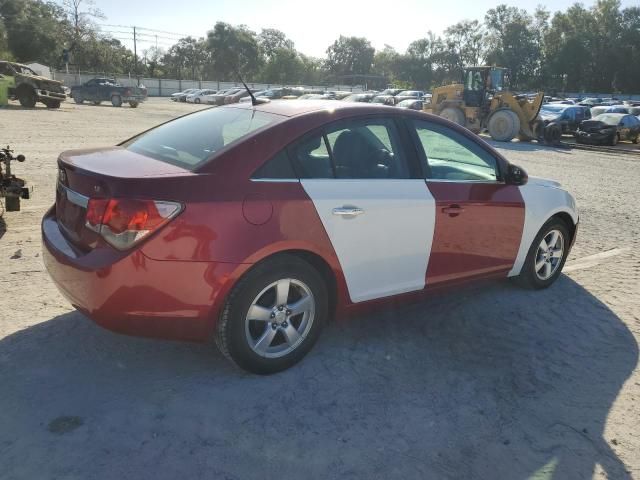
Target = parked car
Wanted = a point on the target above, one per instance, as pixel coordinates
(409, 95)
(384, 100)
(391, 91)
(360, 97)
(98, 90)
(182, 96)
(198, 96)
(411, 103)
(220, 97)
(28, 87)
(236, 223)
(590, 102)
(609, 129)
(237, 96)
(568, 117)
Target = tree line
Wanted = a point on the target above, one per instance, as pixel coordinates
(581, 49)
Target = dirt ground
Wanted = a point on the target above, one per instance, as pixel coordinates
(489, 383)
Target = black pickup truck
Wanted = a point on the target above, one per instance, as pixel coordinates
(98, 90)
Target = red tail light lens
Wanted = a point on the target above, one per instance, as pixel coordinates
(122, 222)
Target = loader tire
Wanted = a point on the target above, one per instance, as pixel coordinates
(504, 125)
(454, 115)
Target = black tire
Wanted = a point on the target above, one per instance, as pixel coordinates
(97, 102)
(116, 101)
(231, 336)
(27, 98)
(133, 104)
(528, 277)
(12, 203)
(614, 140)
(553, 134)
(52, 103)
(79, 99)
(197, 100)
(635, 139)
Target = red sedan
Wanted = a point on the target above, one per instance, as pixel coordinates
(252, 225)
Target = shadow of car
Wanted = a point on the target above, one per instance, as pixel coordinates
(536, 385)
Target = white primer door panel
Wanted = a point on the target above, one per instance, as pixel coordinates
(384, 250)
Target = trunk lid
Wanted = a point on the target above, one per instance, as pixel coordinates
(101, 173)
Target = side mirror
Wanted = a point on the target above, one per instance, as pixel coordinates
(516, 175)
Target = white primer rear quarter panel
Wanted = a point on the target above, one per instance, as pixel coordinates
(542, 199)
(384, 251)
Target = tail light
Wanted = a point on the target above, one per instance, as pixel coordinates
(122, 222)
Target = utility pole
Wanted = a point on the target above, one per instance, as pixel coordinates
(135, 56)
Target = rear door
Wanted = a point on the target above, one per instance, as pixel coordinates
(479, 219)
(374, 205)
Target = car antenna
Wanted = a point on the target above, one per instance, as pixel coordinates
(254, 102)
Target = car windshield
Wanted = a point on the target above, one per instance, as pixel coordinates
(24, 70)
(192, 140)
(609, 119)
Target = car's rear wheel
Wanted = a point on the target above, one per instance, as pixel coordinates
(97, 102)
(546, 256)
(636, 138)
(197, 100)
(133, 104)
(116, 101)
(79, 99)
(273, 316)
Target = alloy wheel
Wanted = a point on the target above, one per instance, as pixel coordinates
(279, 318)
(549, 254)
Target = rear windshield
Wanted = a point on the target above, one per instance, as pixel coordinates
(192, 140)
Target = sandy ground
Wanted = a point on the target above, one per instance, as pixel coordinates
(489, 383)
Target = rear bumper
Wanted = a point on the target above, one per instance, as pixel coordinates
(596, 138)
(132, 294)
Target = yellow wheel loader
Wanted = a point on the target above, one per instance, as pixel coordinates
(483, 102)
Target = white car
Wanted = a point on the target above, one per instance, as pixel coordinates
(176, 97)
(197, 97)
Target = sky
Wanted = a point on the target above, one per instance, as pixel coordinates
(312, 25)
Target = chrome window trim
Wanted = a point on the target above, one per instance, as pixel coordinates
(444, 180)
(276, 180)
(74, 197)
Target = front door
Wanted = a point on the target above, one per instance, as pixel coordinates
(479, 219)
(377, 212)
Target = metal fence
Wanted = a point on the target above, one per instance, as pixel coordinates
(163, 87)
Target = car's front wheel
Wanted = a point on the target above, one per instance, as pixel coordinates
(546, 256)
(273, 316)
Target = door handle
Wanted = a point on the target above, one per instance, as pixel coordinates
(347, 212)
(453, 210)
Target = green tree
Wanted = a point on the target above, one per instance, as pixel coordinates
(514, 43)
(272, 40)
(34, 30)
(350, 56)
(284, 66)
(233, 49)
